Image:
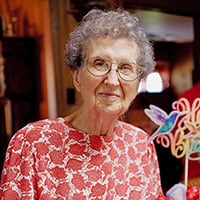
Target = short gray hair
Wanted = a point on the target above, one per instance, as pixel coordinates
(114, 24)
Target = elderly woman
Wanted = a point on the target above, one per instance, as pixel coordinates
(91, 154)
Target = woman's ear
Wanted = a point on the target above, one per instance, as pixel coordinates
(76, 79)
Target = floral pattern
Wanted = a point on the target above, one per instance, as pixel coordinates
(50, 159)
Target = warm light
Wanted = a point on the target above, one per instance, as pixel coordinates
(154, 82)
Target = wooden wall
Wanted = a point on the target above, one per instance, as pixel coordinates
(34, 19)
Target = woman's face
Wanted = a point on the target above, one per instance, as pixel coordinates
(109, 93)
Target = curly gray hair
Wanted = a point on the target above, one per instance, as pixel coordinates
(115, 24)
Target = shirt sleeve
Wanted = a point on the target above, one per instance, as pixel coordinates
(18, 178)
(154, 171)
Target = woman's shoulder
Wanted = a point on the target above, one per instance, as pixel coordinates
(40, 129)
(44, 124)
(132, 129)
(128, 126)
(135, 137)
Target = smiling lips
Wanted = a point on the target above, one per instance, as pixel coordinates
(108, 94)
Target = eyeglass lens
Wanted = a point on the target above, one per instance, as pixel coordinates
(98, 66)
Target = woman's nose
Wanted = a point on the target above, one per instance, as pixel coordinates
(112, 78)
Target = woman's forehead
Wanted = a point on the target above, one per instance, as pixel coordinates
(117, 47)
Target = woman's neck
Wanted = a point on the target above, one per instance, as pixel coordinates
(96, 124)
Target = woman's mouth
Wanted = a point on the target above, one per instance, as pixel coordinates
(109, 94)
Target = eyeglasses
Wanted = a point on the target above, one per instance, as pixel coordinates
(98, 66)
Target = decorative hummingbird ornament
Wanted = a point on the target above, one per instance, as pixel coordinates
(166, 122)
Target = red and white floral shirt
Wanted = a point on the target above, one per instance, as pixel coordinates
(50, 159)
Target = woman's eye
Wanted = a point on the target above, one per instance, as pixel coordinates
(99, 62)
(126, 68)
